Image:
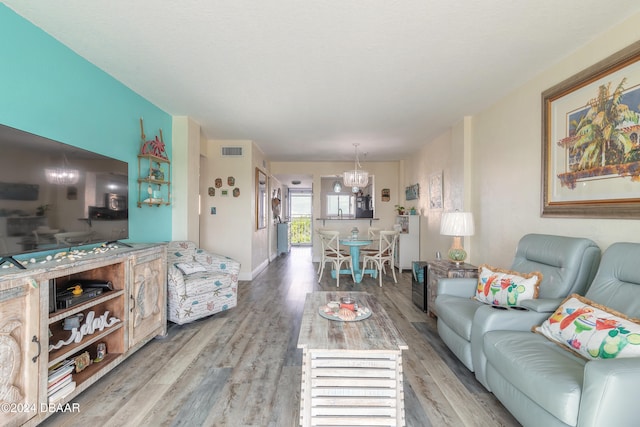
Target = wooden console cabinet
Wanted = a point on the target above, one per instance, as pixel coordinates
(440, 269)
(28, 326)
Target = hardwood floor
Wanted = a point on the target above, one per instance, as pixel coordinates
(242, 368)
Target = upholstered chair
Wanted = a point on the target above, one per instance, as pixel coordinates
(199, 283)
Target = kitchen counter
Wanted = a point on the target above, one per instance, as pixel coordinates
(335, 218)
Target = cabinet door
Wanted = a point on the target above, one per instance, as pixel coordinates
(19, 351)
(433, 275)
(147, 299)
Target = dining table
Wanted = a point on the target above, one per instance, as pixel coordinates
(354, 244)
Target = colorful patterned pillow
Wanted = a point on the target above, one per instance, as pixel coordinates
(188, 268)
(592, 331)
(506, 288)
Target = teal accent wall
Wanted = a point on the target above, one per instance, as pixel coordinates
(48, 90)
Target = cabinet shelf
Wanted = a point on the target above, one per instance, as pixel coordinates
(61, 314)
(90, 375)
(62, 353)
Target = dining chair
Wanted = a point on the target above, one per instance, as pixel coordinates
(331, 253)
(322, 255)
(384, 253)
(373, 234)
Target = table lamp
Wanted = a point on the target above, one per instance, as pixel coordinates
(457, 224)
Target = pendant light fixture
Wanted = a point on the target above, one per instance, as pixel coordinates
(356, 178)
(63, 175)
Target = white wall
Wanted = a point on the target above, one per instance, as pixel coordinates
(230, 231)
(506, 163)
(260, 238)
(185, 165)
(444, 155)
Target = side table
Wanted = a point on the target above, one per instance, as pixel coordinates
(439, 269)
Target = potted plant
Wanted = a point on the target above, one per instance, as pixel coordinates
(399, 209)
(42, 210)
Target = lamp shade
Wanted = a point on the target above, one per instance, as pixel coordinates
(457, 224)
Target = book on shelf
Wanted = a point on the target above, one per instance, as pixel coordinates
(60, 372)
(63, 392)
(52, 388)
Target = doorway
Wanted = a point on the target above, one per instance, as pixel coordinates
(300, 212)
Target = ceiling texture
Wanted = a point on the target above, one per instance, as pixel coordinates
(306, 79)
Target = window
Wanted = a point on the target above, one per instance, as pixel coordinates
(340, 204)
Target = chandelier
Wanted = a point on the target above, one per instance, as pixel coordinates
(356, 178)
(62, 175)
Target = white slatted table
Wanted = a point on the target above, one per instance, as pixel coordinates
(351, 371)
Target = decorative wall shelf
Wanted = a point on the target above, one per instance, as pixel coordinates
(154, 180)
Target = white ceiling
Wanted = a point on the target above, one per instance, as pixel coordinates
(305, 80)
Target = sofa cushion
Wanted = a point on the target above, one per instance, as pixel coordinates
(506, 288)
(217, 262)
(540, 369)
(189, 268)
(457, 313)
(208, 282)
(591, 330)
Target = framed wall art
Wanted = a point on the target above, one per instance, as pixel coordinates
(412, 192)
(435, 191)
(591, 141)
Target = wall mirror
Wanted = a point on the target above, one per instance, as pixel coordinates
(261, 199)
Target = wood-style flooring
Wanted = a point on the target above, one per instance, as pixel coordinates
(242, 368)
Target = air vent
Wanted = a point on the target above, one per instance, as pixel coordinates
(231, 151)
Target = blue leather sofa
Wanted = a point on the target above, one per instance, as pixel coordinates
(542, 384)
(568, 265)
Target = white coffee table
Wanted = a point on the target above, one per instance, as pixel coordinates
(351, 371)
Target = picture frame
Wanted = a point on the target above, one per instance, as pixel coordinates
(435, 190)
(591, 141)
(412, 192)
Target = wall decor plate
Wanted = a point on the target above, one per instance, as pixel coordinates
(236, 192)
(218, 182)
(212, 191)
(231, 181)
